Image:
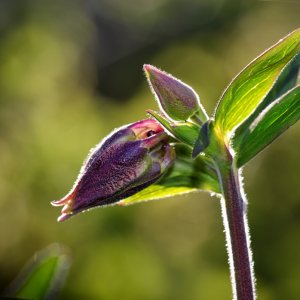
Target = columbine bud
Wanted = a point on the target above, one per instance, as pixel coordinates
(130, 159)
(176, 99)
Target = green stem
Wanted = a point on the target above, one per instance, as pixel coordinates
(236, 228)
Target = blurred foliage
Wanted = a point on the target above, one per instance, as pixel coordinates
(43, 276)
(70, 72)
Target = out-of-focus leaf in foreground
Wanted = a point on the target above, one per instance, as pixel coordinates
(251, 86)
(187, 175)
(269, 124)
(43, 276)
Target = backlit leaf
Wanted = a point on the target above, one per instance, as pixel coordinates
(250, 87)
(287, 80)
(269, 124)
(185, 132)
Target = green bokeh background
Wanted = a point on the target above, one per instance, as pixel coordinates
(70, 72)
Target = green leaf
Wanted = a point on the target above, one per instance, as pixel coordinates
(269, 124)
(286, 81)
(156, 192)
(185, 132)
(187, 175)
(44, 275)
(202, 141)
(250, 87)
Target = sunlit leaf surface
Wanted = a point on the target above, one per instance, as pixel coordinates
(251, 86)
(269, 124)
(287, 80)
(185, 132)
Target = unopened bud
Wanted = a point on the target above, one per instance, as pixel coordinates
(176, 99)
(129, 160)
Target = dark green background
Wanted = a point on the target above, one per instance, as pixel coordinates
(70, 72)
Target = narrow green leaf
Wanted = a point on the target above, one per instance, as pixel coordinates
(202, 141)
(250, 87)
(187, 175)
(43, 277)
(269, 124)
(185, 132)
(155, 192)
(286, 81)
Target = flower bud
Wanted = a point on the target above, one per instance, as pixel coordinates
(129, 160)
(178, 100)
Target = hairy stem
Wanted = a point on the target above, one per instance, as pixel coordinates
(236, 228)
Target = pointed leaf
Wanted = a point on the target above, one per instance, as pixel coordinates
(185, 132)
(156, 192)
(186, 176)
(202, 141)
(286, 81)
(269, 124)
(250, 87)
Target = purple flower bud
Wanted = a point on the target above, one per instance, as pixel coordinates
(130, 159)
(178, 100)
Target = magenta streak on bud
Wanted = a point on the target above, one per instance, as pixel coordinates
(178, 100)
(130, 159)
(141, 128)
